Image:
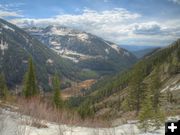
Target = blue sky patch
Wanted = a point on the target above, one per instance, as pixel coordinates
(125, 22)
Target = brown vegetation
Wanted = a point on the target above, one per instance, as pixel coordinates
(77, 89)
(41, 110)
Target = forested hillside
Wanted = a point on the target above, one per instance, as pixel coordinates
(158, 73)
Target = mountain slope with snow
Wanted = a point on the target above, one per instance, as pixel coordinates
(16, 46)
(13, 123)
(86, 50)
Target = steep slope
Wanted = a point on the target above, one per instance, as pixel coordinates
(87, 51)
(107, 97)
(16, 46)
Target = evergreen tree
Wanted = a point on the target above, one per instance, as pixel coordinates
(30, 85)
(146, 114)
(155, 85)
(57, 95)
(3, 87)
(87, 109)
(125, 105)
(136, 91)
(151, 114)
(158, 118)
(155, 89)
(169, 96)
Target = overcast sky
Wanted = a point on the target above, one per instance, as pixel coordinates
(125, 22)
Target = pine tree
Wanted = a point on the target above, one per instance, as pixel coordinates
(3, 87)
(151, 114)
(87, 109)
(30, 85)
(125, 105)
(158, 118)
(169, 96)
(155, 85)
(136, 91)
(57, 95)
(146, 114)
(155, 89)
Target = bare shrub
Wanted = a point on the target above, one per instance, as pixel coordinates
(41, 110)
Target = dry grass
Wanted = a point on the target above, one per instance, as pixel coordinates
(76, 89)
(41, 110)
(38, 112)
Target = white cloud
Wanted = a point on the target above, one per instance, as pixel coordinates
(10, 10)
(9, 14)
(11, 5)
(88, 17)
(117, 25)
(147, 28)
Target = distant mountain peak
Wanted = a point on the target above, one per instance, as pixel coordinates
(80, 56)
(16, 46)
(86, 50)
(77, 45)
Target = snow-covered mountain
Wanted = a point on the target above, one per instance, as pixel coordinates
(93, 56)
(86, 50)
(16, 46)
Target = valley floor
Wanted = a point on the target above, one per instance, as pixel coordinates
(12, 123)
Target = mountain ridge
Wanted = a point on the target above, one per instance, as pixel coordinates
(17, 46)
(87, 51)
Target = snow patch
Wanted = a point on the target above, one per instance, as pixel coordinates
(83, 37)
(165, 89)
(57, 47)
(7, 27)
(115, 47)
(13, 125)
(71, 58)
(49, 61)
(65, 31)
(66, 51)
(171, 88)
(175, 87)
(3, 46)
(55, 43)
(72, 55)
(107, 51)
(58, 31)
(63, 53)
